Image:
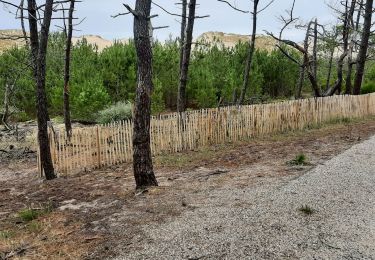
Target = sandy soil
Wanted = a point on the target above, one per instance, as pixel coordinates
(98, 215)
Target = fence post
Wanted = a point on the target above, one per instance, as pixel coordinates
(98, 146)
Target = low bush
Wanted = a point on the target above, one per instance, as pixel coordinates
(117, 112)
(301, 159)
(368, 88)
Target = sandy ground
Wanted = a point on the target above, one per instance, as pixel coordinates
(206, 201)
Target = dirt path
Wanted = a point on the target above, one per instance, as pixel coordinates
(266, 221)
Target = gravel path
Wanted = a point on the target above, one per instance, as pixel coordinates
(265, 221)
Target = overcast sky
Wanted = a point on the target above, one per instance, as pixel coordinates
(222, 18)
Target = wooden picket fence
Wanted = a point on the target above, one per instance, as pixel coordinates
(111, 144)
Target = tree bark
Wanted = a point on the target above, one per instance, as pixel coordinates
(183, 30)
(362, 55)
(301, 79)
(68, 48)
(184, 70)
(142, 160)
(315, 49)
(39, 44)
(5, 116)
(350, 63)
(332, 52)
(250, 54)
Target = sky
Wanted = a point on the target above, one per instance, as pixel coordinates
(98, 20)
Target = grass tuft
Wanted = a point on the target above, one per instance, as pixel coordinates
(301, 159)
(28, 215)
(307, 210)
(6, 235)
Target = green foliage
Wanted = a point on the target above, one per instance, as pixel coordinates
(300, 159)
(28, 215)
(307, 210)
(117, 112)
(157, 98)
(6, 234)
(99, 79)
(368, 87)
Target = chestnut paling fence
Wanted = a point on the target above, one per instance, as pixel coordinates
(111, 144)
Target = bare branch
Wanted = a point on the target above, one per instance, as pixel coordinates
(233, 7)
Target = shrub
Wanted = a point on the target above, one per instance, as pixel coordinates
(368, 88)
(307, 210)
(28, 214)
(300, 159)
(117, 112)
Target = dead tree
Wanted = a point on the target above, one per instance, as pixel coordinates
(305, 61)
(364, 45)
(142, 159)
(351, 61)
(331, 42)
(183, 29)
(315, 49)
(68, 48)
(309, 62)
(9, 87)
(186, 53)
(250, 54)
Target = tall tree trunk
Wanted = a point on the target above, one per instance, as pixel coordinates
(68, 48)
(348, 17)
(183, 30)
(332, 52)
(301, 78)
(142, 160)
(362, 55)
(184, 70)
(39, 44)
(315, 49)
(350, 63)
(249, 59)
(5, 116)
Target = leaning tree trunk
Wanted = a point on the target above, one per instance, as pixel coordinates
(315, 49)
(362, 55)
(39, 43)
(5, 116)
(331, 54)
(249, 59)
(348, 17)
(68, 48)
(184, 69)
(301, 79)
(142, 160)
(349, 85)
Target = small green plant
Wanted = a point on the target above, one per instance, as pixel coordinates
(117, 112)
(346, 120)
(58, 120)
(31, 214)
(6, 234)
(307, 210)
(28, 215)
(368, 88)
(300, 159)
(34, 226)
